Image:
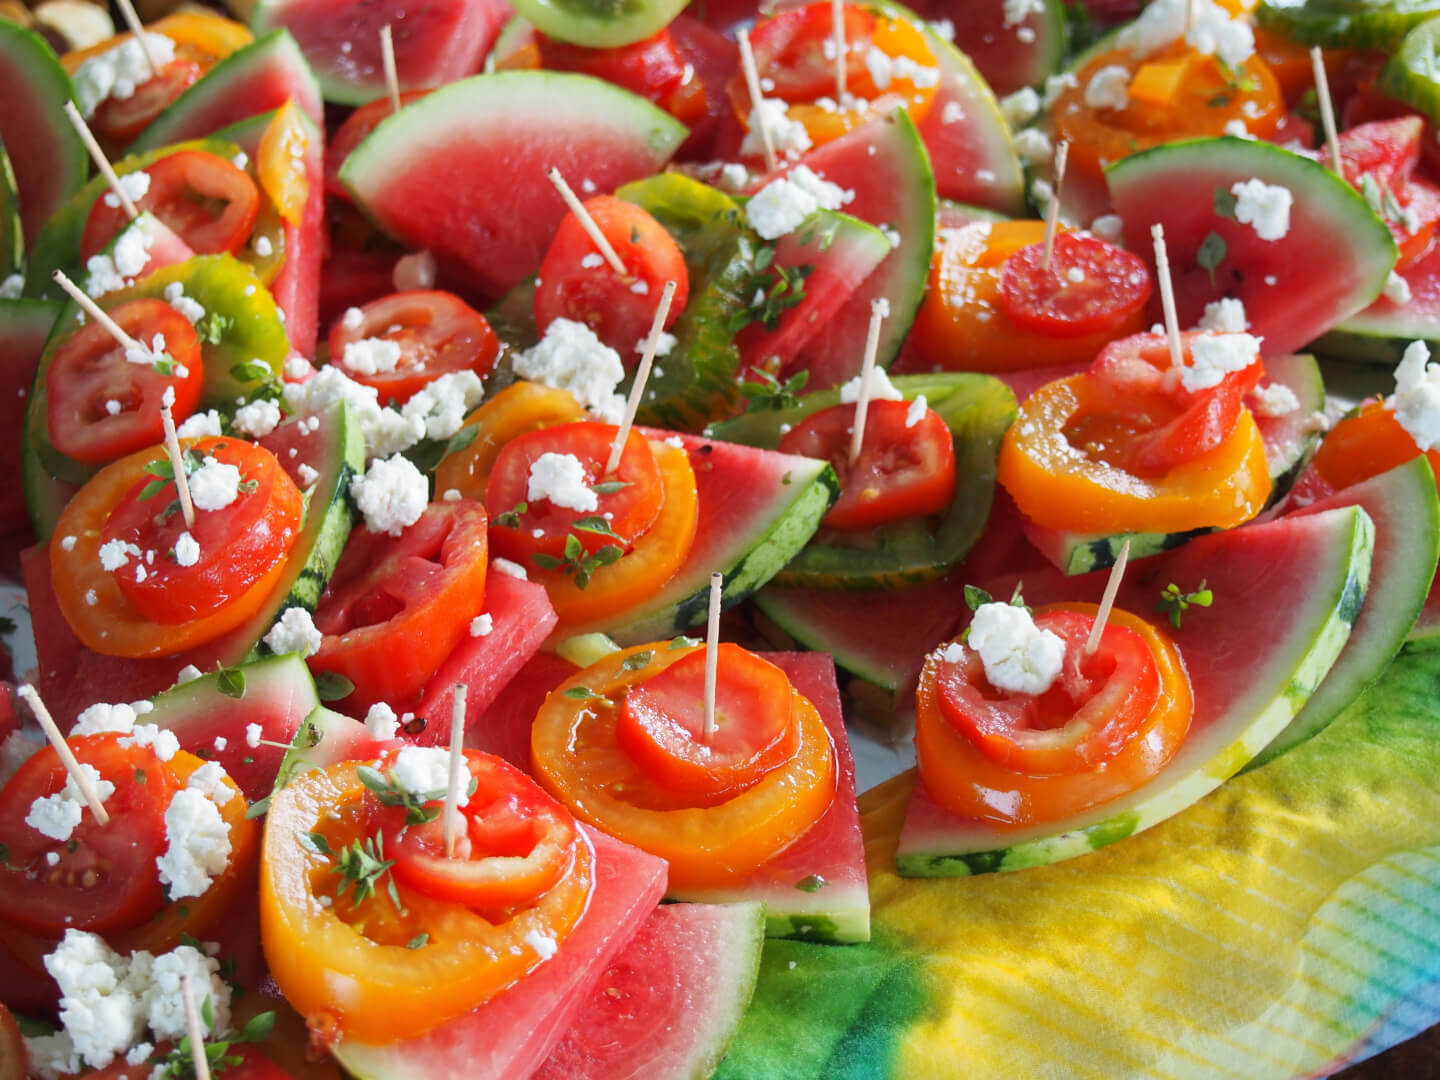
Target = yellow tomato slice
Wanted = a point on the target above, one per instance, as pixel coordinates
(203, 36)
(1059, 486)
(348, 970)
(519, 408)
(280, 163)
(577, 759)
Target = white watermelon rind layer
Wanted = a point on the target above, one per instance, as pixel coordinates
(1320, 631)
(833, 914)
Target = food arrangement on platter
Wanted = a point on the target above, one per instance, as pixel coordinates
(473, 463)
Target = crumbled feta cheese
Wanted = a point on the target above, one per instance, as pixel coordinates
(165, 1000)
(162, 743)
(353, 318)
(891, 234)
(214, 485)
(371, 356)
(1019, 657)
(199, 425)
(1017, 11)
(52, 1056)
(514, 569)
(561, 479)
(570, 357)
(187, 550)
(209, 779)
(308, 476)
(788, 137)
(1033, 146)
(189, 673)
(1020, 107)
(918, 408)
(1397, 289)
(545, 946)
(294, 632)
(734, 176)
(1264, 207)
(781, 205)
(139, 1054)
(482, 624)
(114, 554)
(881, 388)
(1055, 85)
(1211, 30)
(257, 419)
(101, 718)
(197, 844)
(392, 494)
(117, 72)
(1225, 316)
(592, 261)
(57, 815)
(1109, 88)
(1416, 401)
(102, 1000)
(664, 344)
(192, 309)
(1213, 356)
(381, 721)
(386, 431)
(1277, 399)
(102, 277)
(640, 287)
(883, 68)
(220, 743)
(944, 27)
(1236, 129)
(263, 247)
(951, 113)
(425, 770)
(452, 495)
(439, 407)
(1041, 191)
(131, 251)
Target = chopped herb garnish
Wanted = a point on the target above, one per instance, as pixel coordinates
(576, 563)
(212, 327)
(1175, 603)
(1225, 203)
(763, 390)
(510, 519)
(609, 487)
(361, 866)
(1211, 254)
(332, 686)
(636, 661)
(812, 883)
(230, 682)
(418, 941)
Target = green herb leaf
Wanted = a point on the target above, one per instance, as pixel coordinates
(258, 1028)
(812, 883)
(594, 523)
(332, 686)
(510, 519)
(683, 642)
(418, 941)
(1225, 203)
(462, 439)
(1175, 603)
(1211, 254)
(636, 661)
(975, 596)
(211, 328)
(581, 693)
(231, 682)
(319, 843)
(609, 487)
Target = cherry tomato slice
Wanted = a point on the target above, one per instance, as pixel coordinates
(1365, 444)
(1090, 287)
(238, 545)
(662, 725)
(436, 333)
(1088, 716)
(516, 844)
(99, 405)
(207, 201)
(118, 121)
(575, 283)
(397, 606)
(544, 527)
(790, 50)
(652, 68)
(105, 877)
(904, 470)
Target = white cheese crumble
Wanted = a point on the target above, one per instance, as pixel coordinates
(295, 632)
(253, 734)
(1019, 657)
(664, 344)
(209, 779)
(1274, 400)
(918, 408)
(187, 674)
(381, 722)
(353, 318)
(392, 494)
(781, 205)
(162, 743)
(1416, 401)
(561, 479)
(371, 356)
(1225, 316)
(308, 476)
(1213, 356)
(192, 309)
(102, 718)
(881, 388)
(257, 419)
(1109, 227)
(570, 357)
(117, 72)
(114, 554)
(263, 247)
(57, 815)
(545, 947)
(1397, 289)
(1236, 129)
(1033, 146)
(199, 425)
(197, 844)
(187, 550)
(1109, 88)
(1212, 31)
(734, 176)
(215, 485)
(1264, 207)
(514, 569)
(482, 625)
(788, 137)
(425, 770)
(1020, 107)
(1017, 11)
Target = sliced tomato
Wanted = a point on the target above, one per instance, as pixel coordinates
(1090, 287)
(207, 201)
(545, 527)
(375, 970)
(516, 844)
(575, 283)
(238, 545)
(662, 725)
(1379, 159)
(790, 49)
(520, 407)
(436, 332)
(1367, 443)
(652, 68)
(118, 120)
(353, 132)
(104, 878)
(904, 469)
(396, 606)
(965, 777)
(250, 1064)
(99, 405)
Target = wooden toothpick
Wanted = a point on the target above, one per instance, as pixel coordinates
(197, 1034)
(1107, 601)
(101, 162)
(177, 465)
(1052, 212)
(712, 654)
(757, 99)
(1167, 297)
(867, 368)
(837, 30)
(642, 375)
(387, 60)
(132, 20)
(457, 761)
(1327, 109)
(95, 311)
(31, 697)
(587, 222)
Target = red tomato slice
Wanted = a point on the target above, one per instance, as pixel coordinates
(105, 876)
(397, 606)
(238, 545)
(1090, 287)
(118, 121)
(652, 69)
(544, 527)
(253, 1065)
(353, 132)
(790, 50)
(517, 841)
(99, 405)
(207, 201)
(662, 725)
(1088, 716)
(903, 470)
(575, 283)
(436, 332)
(1149, 423)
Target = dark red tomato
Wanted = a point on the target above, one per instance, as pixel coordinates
(576, 283)
(397, 606)
(1090, 287)
(662, 725)
(14, 1059)
(1149, 423)
(238, 545)
(207, 201)
(652, 69)
(790, 50)
(1088, 716)
(117, 121)
(436, 332)
(99, 405)
(904, 470)
(352, 133)
(104, 876)
(544, 527)
(1380, 159)
(253, 1065)
(516, 841)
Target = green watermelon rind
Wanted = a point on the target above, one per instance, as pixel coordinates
(1323, 627)
(282, 678)
(1410, 75)
(276, 49)
(738, 971)
(832, 915)
(12, 232)
(1352, 26)
(45, 498)
(806, 634)
(600, 28)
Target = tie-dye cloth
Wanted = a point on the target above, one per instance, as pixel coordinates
(1283, 927)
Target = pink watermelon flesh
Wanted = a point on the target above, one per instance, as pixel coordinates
(24, 326)
(511, 1035)
(1419, 317)
(504, 729)
(1009, 55)
(652, 1011)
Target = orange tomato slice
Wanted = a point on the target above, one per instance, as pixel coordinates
(960, 777)
(1365, 444)
(577, 758)
(201, 36)
(348, 969)
(280, 163)
(520, 407)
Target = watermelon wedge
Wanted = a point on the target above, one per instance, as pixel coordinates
(511, 1035)
(1329, 265)
(1009, 53)
(1379, 334)
(670, 1003)
(436, 41)
(49, 160)
(262, 76)
(504, 728)
(461, 172)
(1252, 666)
